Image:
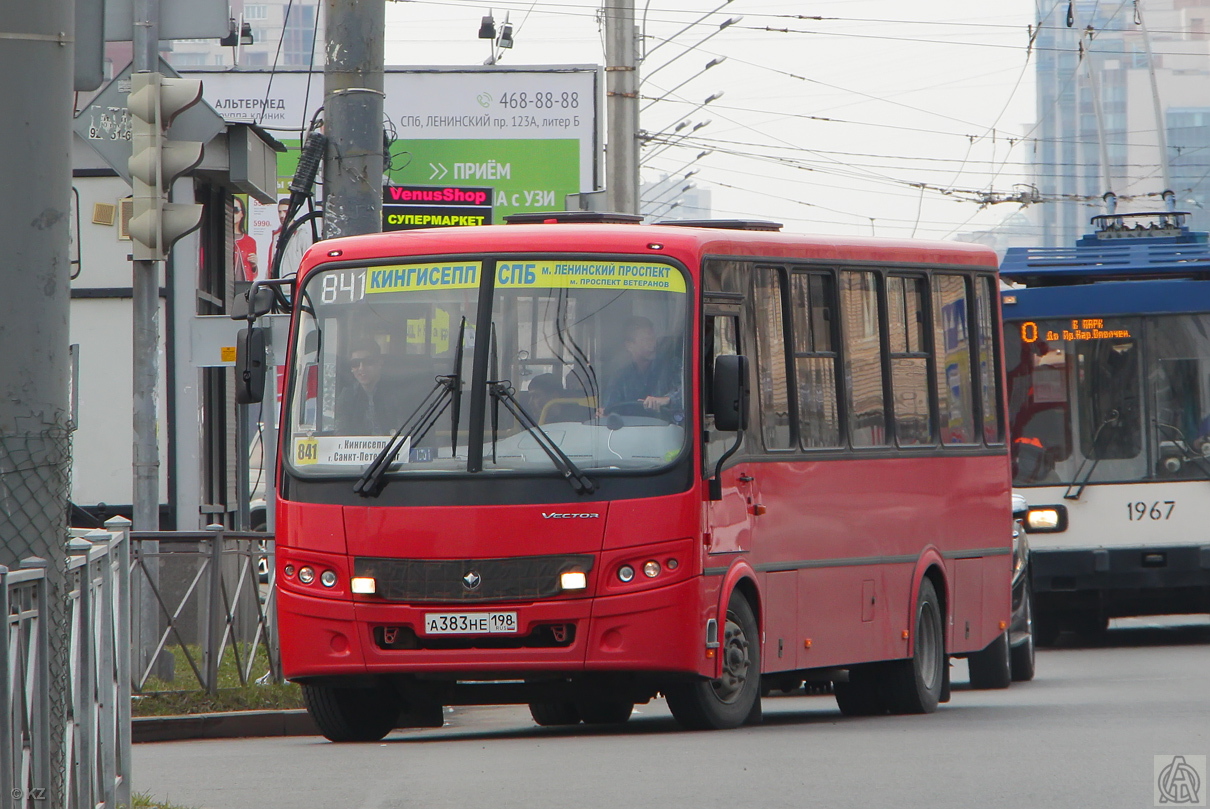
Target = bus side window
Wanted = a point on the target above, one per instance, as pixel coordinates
(909, 361)
(952, 347)
(813, 305)
(773, 378)
(863, 358)
(721, 339)
(989, 378)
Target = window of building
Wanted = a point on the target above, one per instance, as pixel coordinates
(772, 377)
(909, 360)
(813, 304)
(863, 359)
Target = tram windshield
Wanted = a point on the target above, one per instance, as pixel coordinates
(1109, 400)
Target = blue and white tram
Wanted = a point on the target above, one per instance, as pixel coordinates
(1108, 365)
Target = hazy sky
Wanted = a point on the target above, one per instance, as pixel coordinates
(857, 120)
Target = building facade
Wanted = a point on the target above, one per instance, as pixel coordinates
(1099, 122)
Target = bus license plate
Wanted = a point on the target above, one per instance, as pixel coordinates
(470, 623)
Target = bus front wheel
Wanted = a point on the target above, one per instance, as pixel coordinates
(352, 714)
(734, 698)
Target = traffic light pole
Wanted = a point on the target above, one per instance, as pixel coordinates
(146, 313)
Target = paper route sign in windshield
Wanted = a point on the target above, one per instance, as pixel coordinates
(541, 274)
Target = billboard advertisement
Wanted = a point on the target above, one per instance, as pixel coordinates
(466, 146)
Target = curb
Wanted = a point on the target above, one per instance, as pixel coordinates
(233, 725)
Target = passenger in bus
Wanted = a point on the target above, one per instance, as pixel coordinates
(373, 405)
(650, 380)
(548, 401)
(542, 389)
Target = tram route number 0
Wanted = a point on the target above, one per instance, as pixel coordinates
(1159, 510)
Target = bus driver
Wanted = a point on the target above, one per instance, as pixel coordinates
(647, 381)
(372, 405)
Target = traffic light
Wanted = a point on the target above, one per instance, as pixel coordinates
(155, 162)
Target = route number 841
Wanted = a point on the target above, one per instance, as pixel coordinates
(1159, 510)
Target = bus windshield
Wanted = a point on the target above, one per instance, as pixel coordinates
(586, 355)
(1119, 401)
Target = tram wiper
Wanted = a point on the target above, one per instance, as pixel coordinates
(411, 432)
(1081, 478)
(502, 392)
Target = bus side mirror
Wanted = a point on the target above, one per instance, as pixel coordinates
(250, 360)
(257, 301)
(729, 397)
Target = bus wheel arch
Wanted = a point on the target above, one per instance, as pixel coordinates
(733, 697)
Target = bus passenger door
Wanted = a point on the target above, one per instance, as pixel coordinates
(729, 520)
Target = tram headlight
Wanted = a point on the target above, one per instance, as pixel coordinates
(1046, 520)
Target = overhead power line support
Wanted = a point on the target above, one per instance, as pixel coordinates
(621, 106)
(353, 93)
(35, 365)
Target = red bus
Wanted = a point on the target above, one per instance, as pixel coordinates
(579, 464)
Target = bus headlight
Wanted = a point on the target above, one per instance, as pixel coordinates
(328, 578)
(625, 573)
(573, 580)
(306, 575)
(363, 585)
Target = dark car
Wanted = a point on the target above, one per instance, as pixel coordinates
(1021, 626)
(1011, 656)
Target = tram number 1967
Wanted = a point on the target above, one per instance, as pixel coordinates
(1159, 510)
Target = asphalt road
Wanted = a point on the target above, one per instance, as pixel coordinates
(1084, 733)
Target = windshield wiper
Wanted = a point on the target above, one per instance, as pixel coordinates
(1076, 482)
(502, 392)
(447, 391)
(412, 431)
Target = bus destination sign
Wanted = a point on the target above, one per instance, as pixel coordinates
(1088, 328)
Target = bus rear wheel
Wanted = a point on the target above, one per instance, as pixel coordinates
(352, 714)
(552, 713)
(914, 685)
(734, 698)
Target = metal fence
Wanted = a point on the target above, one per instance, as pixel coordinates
(197, 594)
(200, 596)
(97, 738)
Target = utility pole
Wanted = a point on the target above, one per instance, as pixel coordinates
(35, 449)
(353, 94)
(621, 107)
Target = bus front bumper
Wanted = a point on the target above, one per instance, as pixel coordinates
(658, 630)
